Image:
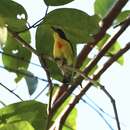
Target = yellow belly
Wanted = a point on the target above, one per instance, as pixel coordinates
(57, 51)
(63, 50)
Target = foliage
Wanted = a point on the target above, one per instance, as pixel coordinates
(15, 41)
(24, 114)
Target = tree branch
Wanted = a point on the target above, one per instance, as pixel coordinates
(107, 46)
(79, 79)
(114, 106)
(22, 42)
(97, 76)
(44, 65)
(107, 22)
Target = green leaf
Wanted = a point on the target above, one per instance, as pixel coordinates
(121, 60)
(31, 82)
(44, 40)
(15, 49)
(57, 2)
(55, 88)
(113, 50)
(75, 32)
(11, 14)
(102, 7)
(121, 17)
(70, 123)
(85, 63)
(102, 42)
(77, 25)
(21, 125)
(87, 60)
(44, 45)
(33, 112)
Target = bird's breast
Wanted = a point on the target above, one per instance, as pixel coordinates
(59, 45)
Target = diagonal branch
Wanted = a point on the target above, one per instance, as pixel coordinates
(22, 42)
(97, 76)
(107, 46)
(107, 22)
(79, 79)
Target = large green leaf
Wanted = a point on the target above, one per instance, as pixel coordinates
(13, 48)
(57, 2)
(33, 112)
(102, 7)
(121, 17)
(113, 50)
(11, 14)
(77, 25)
(76, 32)
(44, 45)
(21, 125)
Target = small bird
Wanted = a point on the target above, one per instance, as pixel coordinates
(63, 53)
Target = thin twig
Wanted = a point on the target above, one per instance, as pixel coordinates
(100, 109)
(100, 114)
(114, 106)
(32, 26)
(1, 102)
(97, 110)
(11, 92)
(107, 114)
(35, 24)
(41, 91)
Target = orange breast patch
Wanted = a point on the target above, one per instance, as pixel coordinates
(60, 45)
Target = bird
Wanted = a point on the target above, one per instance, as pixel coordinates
(63, 53)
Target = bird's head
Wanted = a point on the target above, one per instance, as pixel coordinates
(59, 32)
